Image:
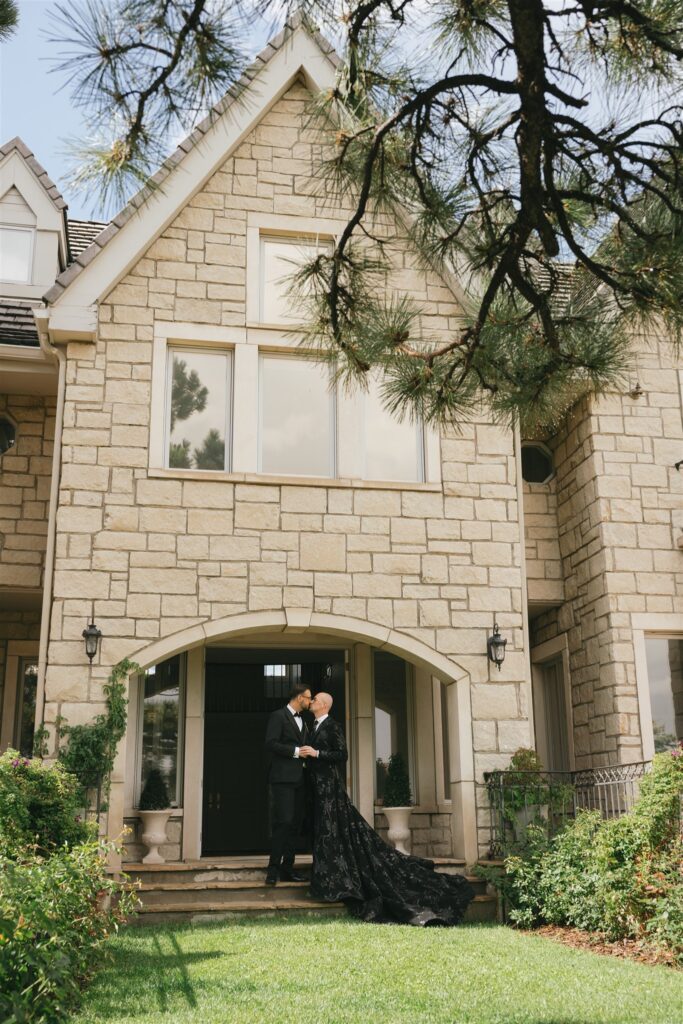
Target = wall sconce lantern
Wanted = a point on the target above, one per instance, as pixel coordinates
(92, 636)
(495, 647)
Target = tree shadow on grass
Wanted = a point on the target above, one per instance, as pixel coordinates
(154, 977)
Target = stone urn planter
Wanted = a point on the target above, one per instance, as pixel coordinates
(399, 827)
(155, 810)
(154, 834)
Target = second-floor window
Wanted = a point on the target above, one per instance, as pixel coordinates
(16, 254)
(279, 260)
(297, 417)
(393, 449)
(198, 409)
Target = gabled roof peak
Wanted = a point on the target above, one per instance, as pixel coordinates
(41, 174)
(297, 21)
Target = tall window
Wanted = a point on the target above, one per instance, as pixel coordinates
(665, 678)
(280, 258)
(392, 715)
(297, 409)
(393, 449)
(26, 706)
(555, 716)
(162, 720)
(16, 251)
(199, 397)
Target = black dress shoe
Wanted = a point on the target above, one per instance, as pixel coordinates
(291, 876)
(271, 877)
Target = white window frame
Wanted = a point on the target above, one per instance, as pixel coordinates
(646, 626)
(283, 227)
(295, 240)
(26, 231)
(287, 353)
(169, 336)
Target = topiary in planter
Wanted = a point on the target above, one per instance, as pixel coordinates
(397, 785)
(154, 796)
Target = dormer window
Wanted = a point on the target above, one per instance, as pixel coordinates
(16, 254)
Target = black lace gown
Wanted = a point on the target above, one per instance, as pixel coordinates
(351, 863)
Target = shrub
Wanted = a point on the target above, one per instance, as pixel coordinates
(39, 807)
(397, 785)
(55, 914)
(622, 877)
(154, 796)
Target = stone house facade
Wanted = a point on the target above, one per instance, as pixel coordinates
(183, 476)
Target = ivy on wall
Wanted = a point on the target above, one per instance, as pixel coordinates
(90, 749)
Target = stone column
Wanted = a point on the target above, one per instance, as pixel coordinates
(364, 760)
(193, 767)
(463, 812)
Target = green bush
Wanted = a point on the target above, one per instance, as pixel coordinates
(39, 807)
(154, 796)
(55, 914)
(397, 784)
(622, 877)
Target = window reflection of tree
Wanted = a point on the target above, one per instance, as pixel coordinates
(27, 707)
(390, 715)
(160, 723)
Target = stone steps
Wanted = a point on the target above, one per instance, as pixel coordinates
(228, 887)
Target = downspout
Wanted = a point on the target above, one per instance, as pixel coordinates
(53, 353)
(525, 588)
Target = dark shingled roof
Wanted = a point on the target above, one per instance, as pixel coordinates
(82, 233)
(39, 171)
(17, 326)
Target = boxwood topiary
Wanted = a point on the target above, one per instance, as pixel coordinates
(154, 796)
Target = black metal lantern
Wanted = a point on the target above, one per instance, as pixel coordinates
(92, 635)
(495, 647)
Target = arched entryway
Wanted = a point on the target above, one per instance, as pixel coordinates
(252, 656)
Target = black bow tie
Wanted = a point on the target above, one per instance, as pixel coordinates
(317, 724)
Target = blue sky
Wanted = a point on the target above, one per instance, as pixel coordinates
(35, 102)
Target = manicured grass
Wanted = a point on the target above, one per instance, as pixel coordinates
(338, 971)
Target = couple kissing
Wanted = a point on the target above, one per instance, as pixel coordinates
(351, 862)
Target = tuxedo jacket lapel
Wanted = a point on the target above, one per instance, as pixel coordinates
(298, 734)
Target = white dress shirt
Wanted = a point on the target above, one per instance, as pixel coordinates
(318, 723)
(299, 721)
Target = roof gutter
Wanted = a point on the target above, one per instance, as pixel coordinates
(54, 354)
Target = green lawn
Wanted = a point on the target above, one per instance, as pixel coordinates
(338, 971)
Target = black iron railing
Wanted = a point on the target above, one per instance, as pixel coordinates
(512, 800)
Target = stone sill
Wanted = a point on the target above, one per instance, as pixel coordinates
(442, 808)
(134, 812)
(292, 481)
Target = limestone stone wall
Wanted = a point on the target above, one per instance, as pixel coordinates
(619, 518)
(25, 474)
(542, 543)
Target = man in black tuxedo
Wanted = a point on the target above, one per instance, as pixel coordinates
(285, 736)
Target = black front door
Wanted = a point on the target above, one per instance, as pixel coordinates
(242, 688)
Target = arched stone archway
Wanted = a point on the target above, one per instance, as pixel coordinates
(364, 636)
(297, 620)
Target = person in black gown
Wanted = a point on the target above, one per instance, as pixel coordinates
(351, 863)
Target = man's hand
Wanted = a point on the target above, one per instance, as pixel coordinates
(308, 752)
